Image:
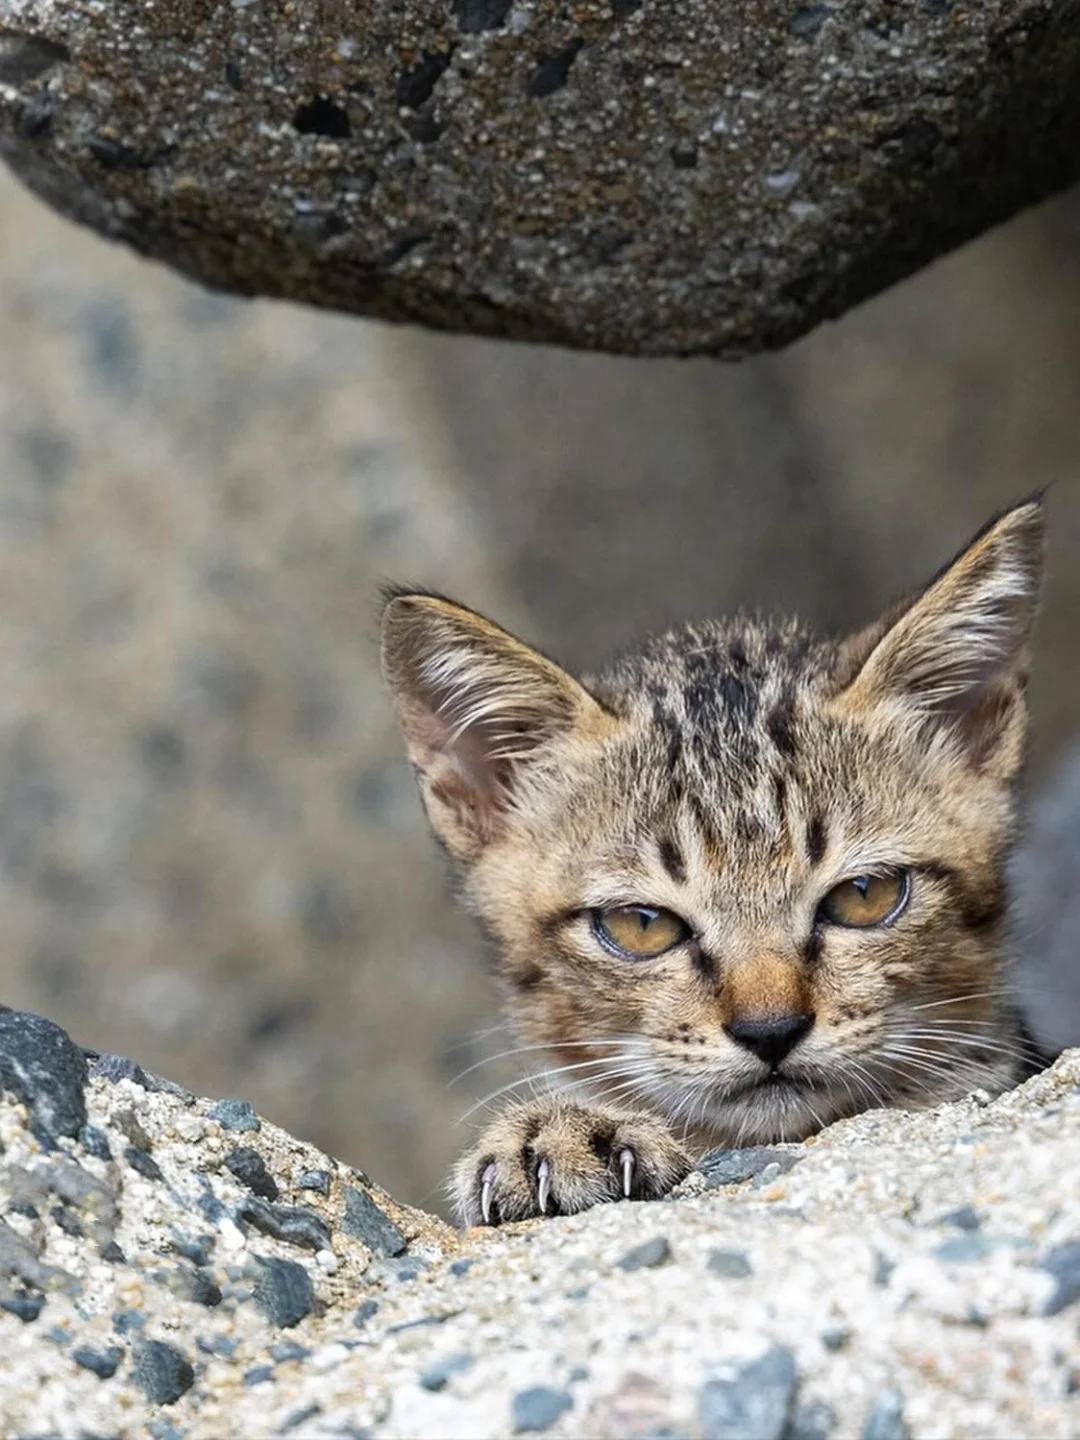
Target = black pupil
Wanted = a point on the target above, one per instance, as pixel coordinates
(862, 884)
(646, 918)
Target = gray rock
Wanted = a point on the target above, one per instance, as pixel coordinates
(756, 1405)
(886, 1418)
(647, 1256)
(614, 179)
(145, 1164)
(118, 1067)
(40, 1065)
(95, 1142)
(816, 1421)
(731, 1167)
(962, 1249)
(537, 1409)
(102, 1363)
(436, 1377)
(162, 1372)
(283, 1292)
(294, 1224)
(364, 1311)
(1063, 1263)
(250, 1169)
(363, 1218)
(235, 1115)
(313, 1180)
(731, 1264)
(966, 1218)
(26, 1307)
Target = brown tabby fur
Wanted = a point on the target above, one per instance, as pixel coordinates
(732, 772)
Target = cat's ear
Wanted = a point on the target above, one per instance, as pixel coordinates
(957, 654)
(475, 704)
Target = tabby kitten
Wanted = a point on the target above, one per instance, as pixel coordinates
(744, 882)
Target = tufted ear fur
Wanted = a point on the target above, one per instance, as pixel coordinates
(957, 655)
(475, 704)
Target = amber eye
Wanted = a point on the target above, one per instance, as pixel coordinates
(866, 900)
(639, 932)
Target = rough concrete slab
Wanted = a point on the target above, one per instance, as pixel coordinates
(912, 1274)
(640, 176)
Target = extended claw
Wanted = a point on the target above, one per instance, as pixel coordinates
(487, 1188)
(626, 1160)
(543, 1191)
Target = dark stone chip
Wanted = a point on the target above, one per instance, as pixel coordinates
(473, 16)
(314, 1180)
(537, 1409)
(808, 20)
(684, 156)
(103, 1363)
(286, 1350)
(731, 1167)
(436, 1376)
(259, 1375)
(647, 1256)
(886, 1418)
(425, 1323)
(366, 1221)
(882, 1271)
(460, 1267)
(816, 1421)
(731, 1264)
(115, 155)
(284, 1292)
(757, 1402)
(297, 1418)
(68, 1221)
(250, 1169)
(551, 74)
(621, 9)
(234, 77)
(197, 1251)
(962, 1249)
(966, 1218)
(41, 1066)
(199, 1286)
(294, 1224)
(913, 143)
(26, 1307)
(162, 1372)
(142, 1162)
(416, 84)
(322, 116)
(127, 1321)
(112, 1253)
(95, 1142)
(836, 1337)
(235, 1115)
(1063, 1263)
(119, 1067)
(23, 1207)
(25, 57)
(364, 1312)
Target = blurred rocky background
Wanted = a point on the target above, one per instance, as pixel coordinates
(211, 857)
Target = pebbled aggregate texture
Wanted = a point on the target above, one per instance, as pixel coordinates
(662, 177)
(913, 1275)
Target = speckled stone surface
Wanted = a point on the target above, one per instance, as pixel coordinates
(643, 176)
(913, 1275)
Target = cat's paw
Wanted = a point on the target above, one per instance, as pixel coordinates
(554, 1157)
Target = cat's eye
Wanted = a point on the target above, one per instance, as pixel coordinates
(866, 900)
(639, 932)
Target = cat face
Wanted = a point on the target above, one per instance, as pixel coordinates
(749, 879)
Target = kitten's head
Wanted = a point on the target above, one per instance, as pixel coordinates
(746, 877)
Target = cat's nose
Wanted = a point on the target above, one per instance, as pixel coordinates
(771, 1038)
